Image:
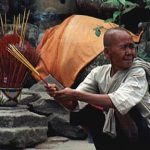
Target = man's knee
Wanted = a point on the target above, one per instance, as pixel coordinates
(88, 116)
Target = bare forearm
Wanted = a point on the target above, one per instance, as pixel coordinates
(68, 94)
(94, 99)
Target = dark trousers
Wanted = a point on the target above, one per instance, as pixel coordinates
(93, 119)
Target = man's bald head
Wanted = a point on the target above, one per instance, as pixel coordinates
(119, 48)
(111, 34)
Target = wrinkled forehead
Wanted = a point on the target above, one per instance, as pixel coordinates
(121, 37)
(120, 33)
(113, 36)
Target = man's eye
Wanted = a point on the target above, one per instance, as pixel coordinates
(131, 46)
(124, 47)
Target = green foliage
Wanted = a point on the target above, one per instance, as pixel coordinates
(123, 7)
(143, 55)
(147, 4)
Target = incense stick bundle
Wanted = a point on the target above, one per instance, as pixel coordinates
(19, 56)
(14, 74)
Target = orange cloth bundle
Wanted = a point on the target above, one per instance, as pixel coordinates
(66, 48)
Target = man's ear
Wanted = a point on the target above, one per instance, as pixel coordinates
(107, 52)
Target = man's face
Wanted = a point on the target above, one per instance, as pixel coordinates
(121, 52)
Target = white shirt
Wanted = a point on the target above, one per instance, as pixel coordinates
(129, 88)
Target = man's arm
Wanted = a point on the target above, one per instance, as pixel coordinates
(68, 103)
(66, 94)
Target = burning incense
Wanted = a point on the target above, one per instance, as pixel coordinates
(13, 74)
(13, 50)
(19, 56)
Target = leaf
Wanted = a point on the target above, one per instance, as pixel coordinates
(98, 30)
(116, 14)
(122, 2)
(98, 33)
(128, 4)
(147, 4)
(127, 10)
(123, 6)
(128, 7)
(112, 2)
(147, 7)
(110, 20)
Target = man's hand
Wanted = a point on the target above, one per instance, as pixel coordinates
(51, 89)
(65, 96)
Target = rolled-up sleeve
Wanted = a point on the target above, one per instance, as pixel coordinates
(130, 92)
(88, 85)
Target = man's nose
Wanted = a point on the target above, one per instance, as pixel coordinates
(128, 50)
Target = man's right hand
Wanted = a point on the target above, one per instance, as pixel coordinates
(67, 102)
(51, 89)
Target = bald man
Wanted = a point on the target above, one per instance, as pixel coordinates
(113, 100)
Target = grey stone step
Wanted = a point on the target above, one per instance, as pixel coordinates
(20, 128)
(22, 137)
(16, 117)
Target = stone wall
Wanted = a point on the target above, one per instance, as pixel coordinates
(61, 6)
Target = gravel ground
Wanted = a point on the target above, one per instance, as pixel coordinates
(62, 143)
